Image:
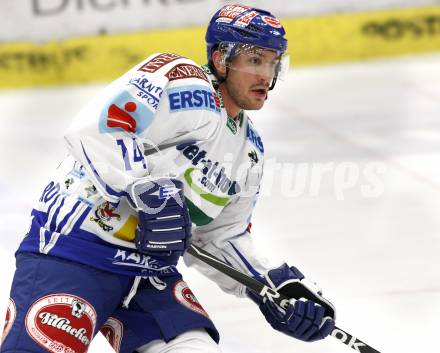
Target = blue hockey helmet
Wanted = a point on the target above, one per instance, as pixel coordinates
(245, 25)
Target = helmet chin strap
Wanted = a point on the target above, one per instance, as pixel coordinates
(272, 85)
(275, 78)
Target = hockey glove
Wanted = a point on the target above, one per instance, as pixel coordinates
(309, 317)
(164, 227)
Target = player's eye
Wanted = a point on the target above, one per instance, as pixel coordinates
(255, 60)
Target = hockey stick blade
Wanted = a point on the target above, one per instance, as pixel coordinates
(272, 295)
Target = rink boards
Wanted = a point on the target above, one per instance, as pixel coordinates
(312, 40)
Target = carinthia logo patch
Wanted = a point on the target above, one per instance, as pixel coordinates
(105, 213)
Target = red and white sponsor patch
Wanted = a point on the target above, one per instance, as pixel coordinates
(11, 314)
(62, 323)
(271, 21)
(186, 71)
(246, 19)
(185, 296)
(159, 61)
(216, 100)
(118, 117)
(113, 331)
(230, 12)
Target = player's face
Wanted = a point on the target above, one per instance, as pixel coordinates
(249, 78)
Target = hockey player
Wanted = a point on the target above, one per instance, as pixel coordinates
(164, 155)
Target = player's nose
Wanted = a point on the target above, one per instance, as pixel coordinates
(264, 80)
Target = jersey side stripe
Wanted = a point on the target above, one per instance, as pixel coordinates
(53, 203)
(42, 239)
(53, 223)
(67, 229)
(67, 217)
(53, 240)
(53, 209)
(81, 218)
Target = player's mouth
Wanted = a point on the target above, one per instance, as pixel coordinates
(259, 92)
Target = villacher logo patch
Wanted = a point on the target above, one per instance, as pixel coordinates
(61, 323)
(11, 314)
(113, 331)
(185, 296)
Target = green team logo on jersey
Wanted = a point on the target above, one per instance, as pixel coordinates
(216, 200)
(208, 177)
(232, 125)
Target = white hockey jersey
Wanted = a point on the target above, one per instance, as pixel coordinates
(164, 117)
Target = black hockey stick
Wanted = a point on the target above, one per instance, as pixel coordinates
(271, 295)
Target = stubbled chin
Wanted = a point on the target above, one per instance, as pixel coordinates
(260, 99)
(256, 105)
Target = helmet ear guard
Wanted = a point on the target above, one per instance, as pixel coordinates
(218, 59)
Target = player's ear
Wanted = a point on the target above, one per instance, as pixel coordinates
(218, 60)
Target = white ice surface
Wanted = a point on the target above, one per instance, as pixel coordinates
(351, 197)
